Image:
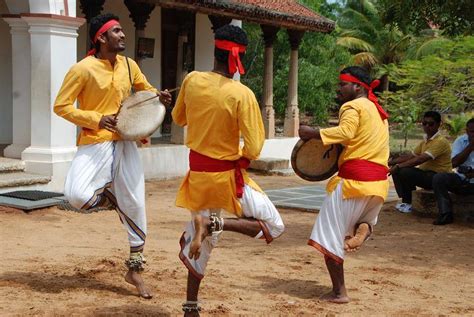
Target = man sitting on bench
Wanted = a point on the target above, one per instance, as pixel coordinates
(431, 156)
(461, 182)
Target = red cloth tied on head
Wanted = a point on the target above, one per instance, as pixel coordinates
(104, 28)
(371, 96)
(234, 58)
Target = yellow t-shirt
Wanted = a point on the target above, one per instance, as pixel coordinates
(99, 89)
(365, 136)
(217, 111)
(439, 149)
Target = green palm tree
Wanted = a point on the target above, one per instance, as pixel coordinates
(372, 43)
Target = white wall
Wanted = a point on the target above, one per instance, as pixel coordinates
(204, 52)
(6, 117)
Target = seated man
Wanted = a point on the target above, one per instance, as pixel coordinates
(431, 156)
(461, 182)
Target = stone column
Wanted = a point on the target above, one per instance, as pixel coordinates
(292, 123)
(21, 87)
(268, 113)
(53, 52)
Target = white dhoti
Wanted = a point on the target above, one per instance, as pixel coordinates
(338, 219)
(254, 205)
(112, 169)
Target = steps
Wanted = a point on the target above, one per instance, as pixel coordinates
(13, 175)
(272, 166)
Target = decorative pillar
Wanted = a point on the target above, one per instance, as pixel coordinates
(21, 87)
(53, 52)
(268, 113)
(292, 123)
(90, 9)
(140, 14)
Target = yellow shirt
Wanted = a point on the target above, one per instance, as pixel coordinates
(364, 136)
(99, 89)
(439, 149)
(217, 110)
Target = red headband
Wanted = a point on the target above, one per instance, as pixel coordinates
(234, 58)
(371, 96)
(104, 28)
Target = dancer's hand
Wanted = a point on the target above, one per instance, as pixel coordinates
(108, 122)
(165, 98)
(306, 133)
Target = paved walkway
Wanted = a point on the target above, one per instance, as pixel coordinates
(309, 198)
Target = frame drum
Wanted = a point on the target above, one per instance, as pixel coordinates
(314, 161)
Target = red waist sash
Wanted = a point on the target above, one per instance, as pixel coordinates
(203, 163)
(363, 170)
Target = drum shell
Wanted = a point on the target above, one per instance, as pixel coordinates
(137, 118)
(314, 161)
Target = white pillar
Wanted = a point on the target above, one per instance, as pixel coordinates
(21, 87)
(53, 52)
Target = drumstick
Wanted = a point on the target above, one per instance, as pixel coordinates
(157, 95)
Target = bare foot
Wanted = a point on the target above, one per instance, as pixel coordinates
(354, 243)
(202, 231)
(191, 314)
(136, 280)
(334, 298)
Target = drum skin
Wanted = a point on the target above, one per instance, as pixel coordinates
(138, 120)
(313, 161)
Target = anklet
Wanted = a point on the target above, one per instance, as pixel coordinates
(191, 306)
(136, 262)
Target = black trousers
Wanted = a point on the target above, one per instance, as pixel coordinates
(407, 179)
(443, 183)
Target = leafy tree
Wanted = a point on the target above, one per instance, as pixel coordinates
(372, 43)
(443, 81)
(454, 17)
(320, 60)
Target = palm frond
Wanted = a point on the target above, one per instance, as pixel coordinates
(365, 59)
(353, 43)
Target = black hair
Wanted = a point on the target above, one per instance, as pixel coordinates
(434, 115)
(96, 23)
(358, 72)
(470, 121)
(229, 33)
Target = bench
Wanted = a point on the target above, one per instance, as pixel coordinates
(424, 204)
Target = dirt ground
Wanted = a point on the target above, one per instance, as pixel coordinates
(58, 263)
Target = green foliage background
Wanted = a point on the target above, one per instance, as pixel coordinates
(320, 60)
(421, 68)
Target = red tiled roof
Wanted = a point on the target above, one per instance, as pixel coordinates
(282, 13)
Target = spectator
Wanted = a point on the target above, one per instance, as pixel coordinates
(461, 182)
(431, 156)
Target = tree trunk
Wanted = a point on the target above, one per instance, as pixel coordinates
(384, 82)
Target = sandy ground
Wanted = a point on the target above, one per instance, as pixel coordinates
(57, 263)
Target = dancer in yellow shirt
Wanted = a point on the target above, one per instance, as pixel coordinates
(106, 169)
(357, 192)
(217, 111)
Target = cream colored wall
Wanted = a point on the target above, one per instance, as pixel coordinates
(6, 118)
(204, 53)
(151, 67)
